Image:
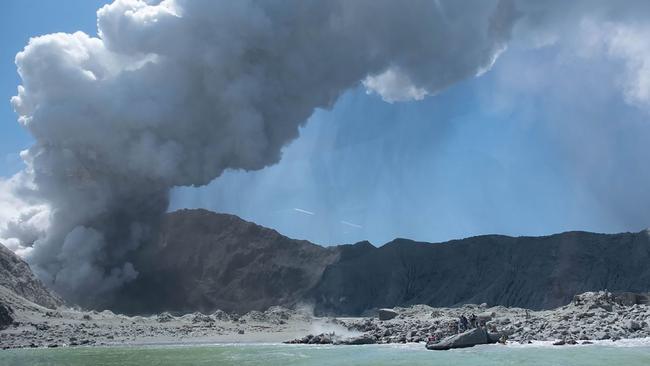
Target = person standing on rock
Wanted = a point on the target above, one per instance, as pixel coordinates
(432, 339)
(464, 324)
(503, 339)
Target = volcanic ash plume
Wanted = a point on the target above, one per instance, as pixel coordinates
(172, 93)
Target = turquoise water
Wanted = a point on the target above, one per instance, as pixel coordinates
(329, 355)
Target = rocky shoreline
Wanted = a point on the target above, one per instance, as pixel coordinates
(590, 316)
(37, 327)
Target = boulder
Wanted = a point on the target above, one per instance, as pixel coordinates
(386, 314)
(595, 300)
(601, 335)
(364, 339)
(323, 338)
(485, 316)
(494, 337)
(466, 339)
(634, 325)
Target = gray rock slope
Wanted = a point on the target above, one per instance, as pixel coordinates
(16, 276)
(206, 261)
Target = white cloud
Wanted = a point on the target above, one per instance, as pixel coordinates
(22, 220)
(394, 86)
(632, 44)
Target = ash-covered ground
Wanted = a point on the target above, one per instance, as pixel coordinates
(589, 317)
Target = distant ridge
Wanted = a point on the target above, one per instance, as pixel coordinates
(531, 272)
(204, 261)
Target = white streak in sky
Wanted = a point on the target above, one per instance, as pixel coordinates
(304, 211)
(351, 224)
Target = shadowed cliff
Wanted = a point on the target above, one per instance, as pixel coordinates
(204, 261)
(531, 272)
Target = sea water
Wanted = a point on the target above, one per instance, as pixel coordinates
(280, 354)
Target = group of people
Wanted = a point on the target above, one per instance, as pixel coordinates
(465, 323)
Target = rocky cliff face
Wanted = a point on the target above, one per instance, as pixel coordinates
(16, 276)
(531, 272)
(204, 261)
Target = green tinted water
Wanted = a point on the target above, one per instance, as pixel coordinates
(329, 355)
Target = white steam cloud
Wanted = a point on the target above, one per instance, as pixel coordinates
(174, 92)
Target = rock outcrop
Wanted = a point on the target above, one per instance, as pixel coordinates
(470, 338)
(16, 276)
(386, 314)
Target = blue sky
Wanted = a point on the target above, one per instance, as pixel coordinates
(541, 143)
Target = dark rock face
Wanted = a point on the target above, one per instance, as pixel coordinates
(322, 338)
(206, 261)
(530, 272)
(364, 339)
(6, 316)
(15, 275)
(466, 339)
(386, 314)
(631, 298)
